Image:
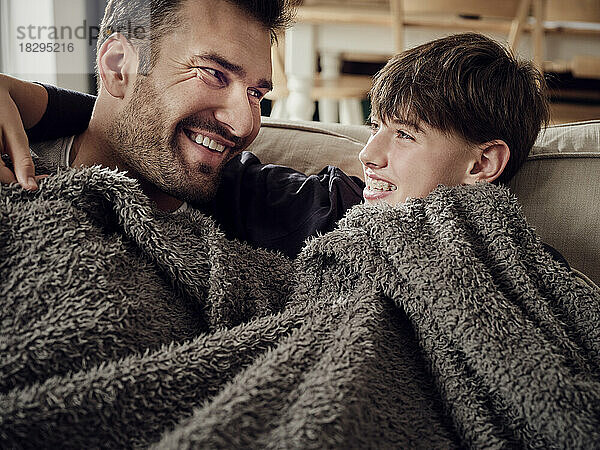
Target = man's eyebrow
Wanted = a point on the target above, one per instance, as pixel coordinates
(232, 67)
(265, 84)
(222, 61)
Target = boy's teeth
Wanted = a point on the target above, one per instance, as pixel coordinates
(208, 142)
(380, 185)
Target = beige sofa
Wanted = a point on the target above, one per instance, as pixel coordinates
(559, 185)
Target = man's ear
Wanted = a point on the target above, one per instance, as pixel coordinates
(490, 162)
(117, 65)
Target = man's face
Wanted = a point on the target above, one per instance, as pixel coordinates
(200, 105)
(402, 160)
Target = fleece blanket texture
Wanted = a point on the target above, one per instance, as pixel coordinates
(440, 323)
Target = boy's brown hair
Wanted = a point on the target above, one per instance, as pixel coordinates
(469, 85)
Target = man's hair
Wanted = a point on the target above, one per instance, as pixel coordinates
(469, 85)
(145, 22)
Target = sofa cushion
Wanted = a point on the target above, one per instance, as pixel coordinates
(558, 186)
(310, 146)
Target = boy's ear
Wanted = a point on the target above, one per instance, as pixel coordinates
(117, 65)
(490, 162)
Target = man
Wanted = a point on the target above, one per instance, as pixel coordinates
(91, 271)
(175, 107)
(174, 86)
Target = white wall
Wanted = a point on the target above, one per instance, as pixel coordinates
(16, 61)
(28, 25)
(73, 66)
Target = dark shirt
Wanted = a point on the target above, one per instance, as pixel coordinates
(277, 207)
(68, 113)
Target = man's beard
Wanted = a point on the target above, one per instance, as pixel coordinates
(144, 146)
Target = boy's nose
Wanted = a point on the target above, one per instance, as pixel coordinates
(373, 153)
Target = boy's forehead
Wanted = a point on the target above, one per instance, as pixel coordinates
(418, 126)
(407, 121)
(396, 111)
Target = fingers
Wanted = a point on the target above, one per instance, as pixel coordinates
(15, 145)
(25, 171)
(6, 175)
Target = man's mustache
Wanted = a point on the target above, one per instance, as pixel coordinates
(210, 126)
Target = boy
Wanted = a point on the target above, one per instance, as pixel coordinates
(458, 110)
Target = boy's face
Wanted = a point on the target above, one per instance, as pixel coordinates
(401, 160)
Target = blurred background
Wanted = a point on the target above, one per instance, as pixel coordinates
(322, 65)
(51, 41)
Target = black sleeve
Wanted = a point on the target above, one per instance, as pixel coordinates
(68, 113)
(277, 207)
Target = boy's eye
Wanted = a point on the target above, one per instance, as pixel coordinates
(374, 127)
(212, 77)
(403, 135)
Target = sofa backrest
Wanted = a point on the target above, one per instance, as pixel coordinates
(558, 186)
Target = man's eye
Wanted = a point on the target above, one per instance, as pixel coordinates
(374, 127)
(212, 77)
(256, 93)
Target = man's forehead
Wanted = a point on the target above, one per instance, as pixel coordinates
(227, 32)
(213, 12)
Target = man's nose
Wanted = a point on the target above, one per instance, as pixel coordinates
(236, 112)
(373, 153)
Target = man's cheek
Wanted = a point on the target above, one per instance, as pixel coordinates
(257, 124)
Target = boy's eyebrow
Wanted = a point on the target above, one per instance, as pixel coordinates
(407, 123)
(231, 67)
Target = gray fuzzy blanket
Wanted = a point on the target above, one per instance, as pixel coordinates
(440, 323)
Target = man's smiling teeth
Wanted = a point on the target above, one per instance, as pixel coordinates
(208, 142)
(379, 185)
